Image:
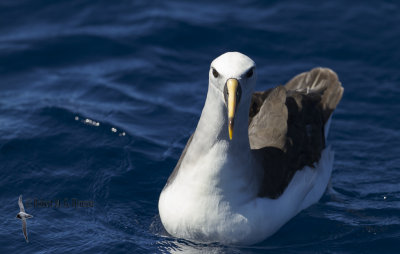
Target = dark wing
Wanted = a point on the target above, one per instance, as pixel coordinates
(286, 126)
(20, 204)
(24, 229)
(321, 81)
(178, 165)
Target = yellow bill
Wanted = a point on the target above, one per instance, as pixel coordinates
(232, 86)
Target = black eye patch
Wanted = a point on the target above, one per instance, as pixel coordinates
(249, 74)
(215, 73)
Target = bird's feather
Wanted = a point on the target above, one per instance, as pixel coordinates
(178, 165)
(286, 126)
(20, 204)
(24, 229)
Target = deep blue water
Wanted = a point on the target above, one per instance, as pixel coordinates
(97, 100)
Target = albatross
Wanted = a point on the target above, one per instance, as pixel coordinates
(256, 159)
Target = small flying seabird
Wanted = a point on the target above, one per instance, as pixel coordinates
(255, 160)
(22, 215)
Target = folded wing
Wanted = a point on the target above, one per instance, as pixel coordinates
(287, 124)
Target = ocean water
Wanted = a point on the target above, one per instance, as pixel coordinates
(98, 98)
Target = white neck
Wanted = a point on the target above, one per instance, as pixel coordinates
(213, 124)
(214, 160)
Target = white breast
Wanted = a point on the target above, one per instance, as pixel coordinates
(208, 205)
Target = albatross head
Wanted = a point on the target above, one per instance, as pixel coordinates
(233, 74)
